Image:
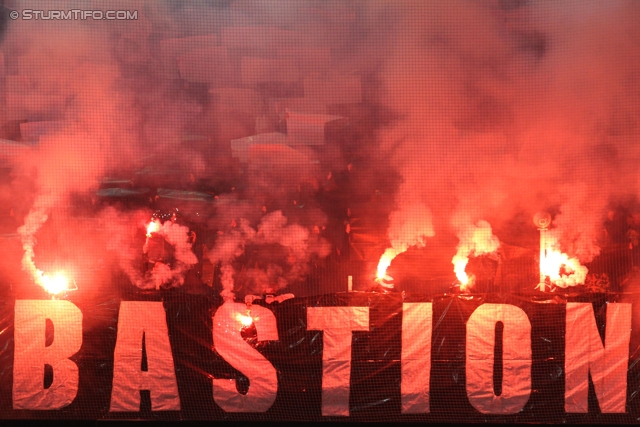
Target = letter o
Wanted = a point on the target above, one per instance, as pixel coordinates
(516, 356)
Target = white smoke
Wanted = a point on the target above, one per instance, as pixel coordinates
(296, 242)
(475, 240)
(171, 273)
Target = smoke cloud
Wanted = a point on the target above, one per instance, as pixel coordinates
(509, 108)
(465, 114)
(292, 244)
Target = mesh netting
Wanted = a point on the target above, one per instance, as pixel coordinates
(398, 211)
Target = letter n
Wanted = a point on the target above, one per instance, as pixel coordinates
(607, 362)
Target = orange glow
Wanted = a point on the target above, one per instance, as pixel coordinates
(475, 239)
(466, 281)
(560, 268)
(466, 287)
(385, 262)
(54, 285)
(459, 266)
(245, 319)
(152, 227)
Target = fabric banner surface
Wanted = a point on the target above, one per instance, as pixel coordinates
(347, 356)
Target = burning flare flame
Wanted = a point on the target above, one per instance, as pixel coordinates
(245, 319)
(385, 262)
(153, 227)
(560, 269)
(409, 227)
(475, 240)
(459, 266)
(55, 284)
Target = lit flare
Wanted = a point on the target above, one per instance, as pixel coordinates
(385, 262)
(475, 240)
(55, 284)
(153, 227)
(245, 319)
(459, 266)
(561, 269)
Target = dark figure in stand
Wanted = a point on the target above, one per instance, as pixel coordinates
(615, 227)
